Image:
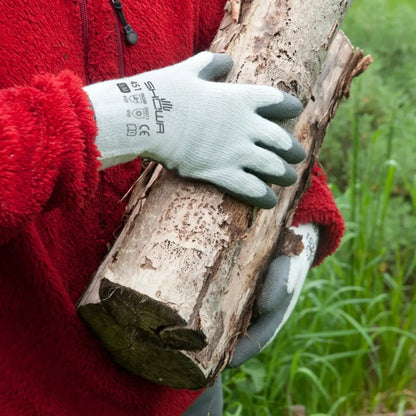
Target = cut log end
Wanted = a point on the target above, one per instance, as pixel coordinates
(146, 336)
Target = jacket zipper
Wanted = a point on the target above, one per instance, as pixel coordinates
(101, 200)
(131, 38)
(120, 49)
(129, 34)
(84, 30)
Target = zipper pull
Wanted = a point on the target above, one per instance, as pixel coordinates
(130, 35)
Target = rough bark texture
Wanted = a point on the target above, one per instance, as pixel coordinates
(176, 291)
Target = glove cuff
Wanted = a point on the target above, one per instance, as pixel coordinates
(318, 207)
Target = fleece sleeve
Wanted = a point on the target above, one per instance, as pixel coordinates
(47, 153)
(318, 206)
(209, 15)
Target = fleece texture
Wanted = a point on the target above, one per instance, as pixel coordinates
(58, 213)
(317, 206)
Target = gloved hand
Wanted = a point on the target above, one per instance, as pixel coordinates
(209, 403)
(211, 131)
(278, 297)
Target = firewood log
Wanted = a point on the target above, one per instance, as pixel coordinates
(176, 291)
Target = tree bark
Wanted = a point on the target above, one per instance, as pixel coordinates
(176, 291)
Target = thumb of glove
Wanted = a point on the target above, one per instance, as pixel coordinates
(207, 65)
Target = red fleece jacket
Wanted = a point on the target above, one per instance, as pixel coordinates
(57, 214)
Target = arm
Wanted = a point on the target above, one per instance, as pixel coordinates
(204, 130)
(47, 156)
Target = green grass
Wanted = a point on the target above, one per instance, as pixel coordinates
(350, 346)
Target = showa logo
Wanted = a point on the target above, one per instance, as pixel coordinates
(160, 105)
(166, 104)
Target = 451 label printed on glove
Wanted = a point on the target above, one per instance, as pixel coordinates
(139, 109)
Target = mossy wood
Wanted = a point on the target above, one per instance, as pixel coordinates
(175, 292)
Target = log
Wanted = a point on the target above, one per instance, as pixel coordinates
(175, 292)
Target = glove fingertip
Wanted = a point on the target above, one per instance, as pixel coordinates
(289, 177)
(266, 201)
(295, 154)
(219, 66)
(269, 200)
(289, 107)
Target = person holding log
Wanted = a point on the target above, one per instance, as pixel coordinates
(70, 150)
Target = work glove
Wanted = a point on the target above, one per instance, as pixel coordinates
(209, 403)
(210, 131)
(278, 297)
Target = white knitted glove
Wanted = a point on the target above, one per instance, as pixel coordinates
(209, 131)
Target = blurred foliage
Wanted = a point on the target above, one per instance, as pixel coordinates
(383, 99)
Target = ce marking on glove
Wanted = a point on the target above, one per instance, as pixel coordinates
(144, 130)
(133, 129)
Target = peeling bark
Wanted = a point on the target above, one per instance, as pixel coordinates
(176, 291)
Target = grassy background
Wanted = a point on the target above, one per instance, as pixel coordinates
(349, 347)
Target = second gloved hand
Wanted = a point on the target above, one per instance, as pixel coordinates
(215, 132)
(278, 296)
(280, 292)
